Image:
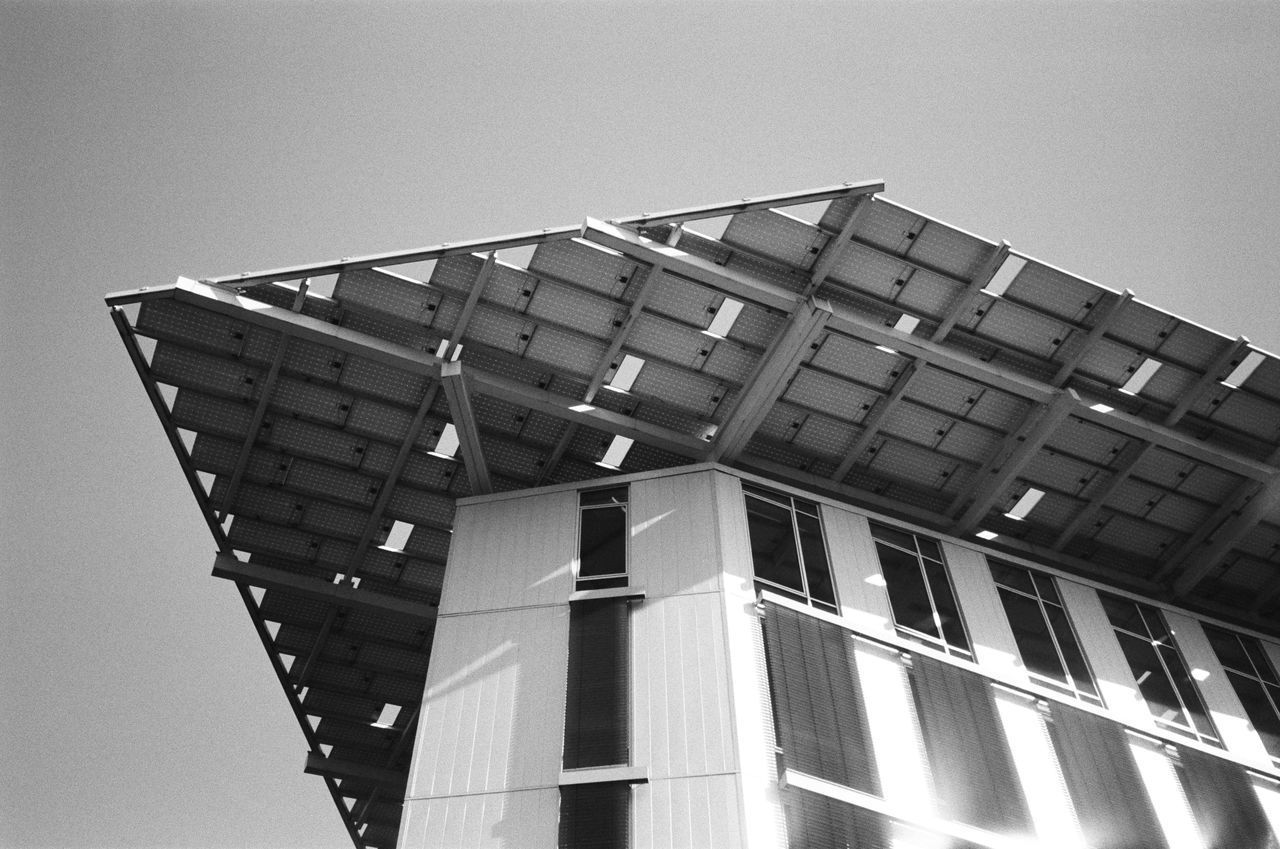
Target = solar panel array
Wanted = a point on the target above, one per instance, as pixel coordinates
(829, 339)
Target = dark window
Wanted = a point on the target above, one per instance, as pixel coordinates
(1157, 666)
(1254, 678)
(596, 726)
(595, 816)
(924, 605)
(602, 538)
(787, 547)
(1042, 631)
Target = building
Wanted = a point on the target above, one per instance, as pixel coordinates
(805, 521)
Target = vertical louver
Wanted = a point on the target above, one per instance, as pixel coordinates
(1224, 803)
(969, 758)
(818, 710)
(1104, 783)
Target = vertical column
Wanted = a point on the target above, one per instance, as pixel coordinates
(993, 643)
(1219, 696)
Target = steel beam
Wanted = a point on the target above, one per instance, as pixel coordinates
(473, 297)
(716, 210)
(875, 420)
(245, 308)
(256, 575)
(1219, 535)
(318, 764)
(170, 429)
(997, 474)
(445, 249)
(972, 291)
(835, 246)
(1210, 377)
(535, 237)
(846, 321)
(255, 425)
(464, 420)
(545, 401)
(1132, 454)
(770, 378)
(1108, 317)
(647, 288)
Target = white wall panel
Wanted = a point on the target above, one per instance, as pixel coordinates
(511, 553)
(699, 812)
(673, 537)
(731, 527)
(982, 612)
(1219, 696)
(681, 723)
(1098, 642)
(526, 819)
(762, 821)
(493, 714)
(855, 568)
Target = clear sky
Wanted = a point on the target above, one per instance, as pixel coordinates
(1135, 144)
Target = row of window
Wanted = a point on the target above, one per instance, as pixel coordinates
(790, 558)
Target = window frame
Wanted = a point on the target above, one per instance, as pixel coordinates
(790, 504)
(1068, 685)
(939, 642)
(1270, 687)
(611, 579)
(1145, 612)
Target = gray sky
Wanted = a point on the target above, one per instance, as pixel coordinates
(1133, 144)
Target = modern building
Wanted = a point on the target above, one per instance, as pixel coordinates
(801, 521)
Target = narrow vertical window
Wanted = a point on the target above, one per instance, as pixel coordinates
(1042, 631)
(595, 816)
(787, 547)
(602, 538)
(1254, 679)
(924, 605)
(1158, 668)
(596, 723)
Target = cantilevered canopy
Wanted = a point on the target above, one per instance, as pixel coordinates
(830, 339)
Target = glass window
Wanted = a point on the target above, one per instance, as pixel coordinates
(1158, 667)
(920, 593)
(602, 538)
(1042, 631)
(787, 547)
(1254, 678)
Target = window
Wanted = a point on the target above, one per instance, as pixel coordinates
(1158, 668)
(597, 712)
(1042, 631)
(787, 547)
(924, 605)
(1254, 679)
(602, 538)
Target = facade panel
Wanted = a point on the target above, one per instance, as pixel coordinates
(494, 703)
(682, 718)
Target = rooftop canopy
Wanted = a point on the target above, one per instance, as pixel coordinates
(327, 416)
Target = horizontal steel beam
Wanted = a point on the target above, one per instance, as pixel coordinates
(559, 406)
(320, 765)
(534, 237)
(715, 210)
(267, 577)
(318, 269)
